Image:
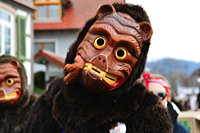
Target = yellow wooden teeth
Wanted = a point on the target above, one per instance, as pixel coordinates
(7, 97)
(110, 79)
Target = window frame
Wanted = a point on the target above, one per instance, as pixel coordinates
(43, 43)
(47, 3)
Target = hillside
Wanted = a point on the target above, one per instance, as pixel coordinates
(178, 72)
(167, 66)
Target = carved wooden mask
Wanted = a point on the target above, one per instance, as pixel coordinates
(111, 49)
(10, 83)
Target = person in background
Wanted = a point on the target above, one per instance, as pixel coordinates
(15, 98)
(198, 101)
(159, 85)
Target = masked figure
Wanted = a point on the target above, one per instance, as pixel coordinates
(99, 92)
(15, 101)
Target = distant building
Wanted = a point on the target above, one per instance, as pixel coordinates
(56, 27)
(16, 32)
(195, 77)
(190, 93)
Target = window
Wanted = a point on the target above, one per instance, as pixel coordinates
(50, 46)
(7, 40)
(48, 9)
(37, 47)
(42, 11)
(53, 11)
(4, 15)
(6, 32)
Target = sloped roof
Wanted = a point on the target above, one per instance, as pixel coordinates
(50, 56)
(75, 16)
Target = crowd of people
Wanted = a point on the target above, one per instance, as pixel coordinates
(160, 86)
(155, 83)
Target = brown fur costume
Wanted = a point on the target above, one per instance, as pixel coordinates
(14, 116)
(76, 110)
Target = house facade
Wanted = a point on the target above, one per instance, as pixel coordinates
(16, 32)
(56, 27)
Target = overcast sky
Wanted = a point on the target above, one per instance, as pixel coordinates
(176, 28)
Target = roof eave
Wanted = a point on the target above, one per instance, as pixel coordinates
(25, 4)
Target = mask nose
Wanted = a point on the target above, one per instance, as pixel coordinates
(5, 91)
(2, 93)
(101, 62)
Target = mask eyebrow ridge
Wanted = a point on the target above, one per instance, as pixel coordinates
(109, 29)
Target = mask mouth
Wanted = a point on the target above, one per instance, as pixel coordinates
(11, 96)
(109, 79)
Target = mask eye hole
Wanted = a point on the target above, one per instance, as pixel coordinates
(161, 95)
(120, 54)
(100, 43)
(9, 81)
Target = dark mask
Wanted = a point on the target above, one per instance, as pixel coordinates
(10, 83)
